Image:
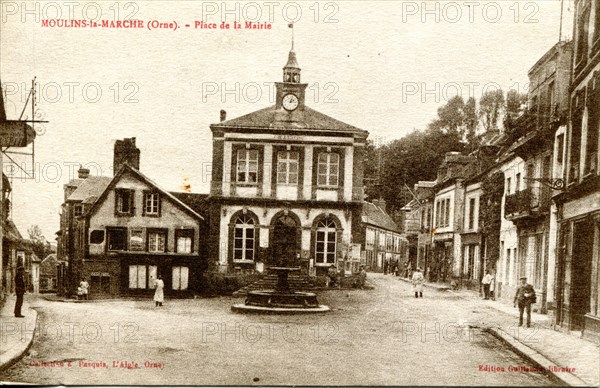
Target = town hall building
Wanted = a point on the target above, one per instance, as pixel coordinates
(287, 185)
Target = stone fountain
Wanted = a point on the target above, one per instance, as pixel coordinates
(281, 300)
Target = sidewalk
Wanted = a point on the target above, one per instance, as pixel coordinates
(540, 344)
(16, 334)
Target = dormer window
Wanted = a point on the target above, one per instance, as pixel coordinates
(124, 202)
(78, 211)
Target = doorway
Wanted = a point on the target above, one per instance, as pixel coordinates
(286, 241)
(581, 272)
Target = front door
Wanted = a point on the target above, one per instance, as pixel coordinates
(581, 272)
(285, 242)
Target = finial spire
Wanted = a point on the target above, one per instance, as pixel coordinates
(291, 25)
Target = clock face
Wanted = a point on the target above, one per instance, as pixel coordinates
(290, 102)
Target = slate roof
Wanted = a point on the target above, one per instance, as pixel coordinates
(375, 216)
(89, 189)
(306, 119)
(198, 202)
(51, 256)
(11, 233)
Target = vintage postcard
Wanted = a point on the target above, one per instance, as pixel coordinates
(300, 193)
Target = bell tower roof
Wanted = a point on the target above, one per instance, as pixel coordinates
(291, 70)
(292, 62)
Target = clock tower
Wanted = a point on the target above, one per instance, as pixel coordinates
(290, 93)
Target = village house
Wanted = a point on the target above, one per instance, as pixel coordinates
(424, 191)
(528, 206)
(472, 265)
(49, 273)
(448, 215)
(383, 245)
(578, 205)
(410, 225)
(122, 232)
(287, 185)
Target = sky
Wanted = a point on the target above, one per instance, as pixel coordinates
(383, 66)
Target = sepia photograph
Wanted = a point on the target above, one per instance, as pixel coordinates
(300, 193)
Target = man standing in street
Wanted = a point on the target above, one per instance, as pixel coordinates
(19, 289)
(525, 296)
(487, 280)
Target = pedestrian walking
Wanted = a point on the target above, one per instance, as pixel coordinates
(159, 295)
(524, 297)
(85, 288)
(362, 277)
(493, 287)
(417, 281)
(19, 289)
(487, 280)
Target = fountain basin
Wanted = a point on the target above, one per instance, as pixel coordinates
(281, 300)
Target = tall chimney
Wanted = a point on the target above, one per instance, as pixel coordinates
(126, 153)
(83, 173)
(223, 115)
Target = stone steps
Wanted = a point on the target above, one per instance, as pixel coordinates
(296, 282)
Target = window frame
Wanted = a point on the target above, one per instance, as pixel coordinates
(328, 175)
(323, 230)
(125, 241)
(471, 220)
(247, 223)
(287, 162)
(246, 163)
(148, 194)
(184, 233)
(157, 231)
(582, 46)
(179, 282)
(147, 276)
(119, 202)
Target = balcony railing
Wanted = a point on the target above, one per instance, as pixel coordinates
(528, 203)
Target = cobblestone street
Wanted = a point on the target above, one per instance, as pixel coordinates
(378, 337)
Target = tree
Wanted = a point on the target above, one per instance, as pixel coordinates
(40, 246)
(371, 170)
(470, 123)
(451, 117)
(406, 161)
(514, 102)
(491, 105)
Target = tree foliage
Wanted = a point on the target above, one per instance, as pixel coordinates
(40, 246)
(389, 168)
(492, 189)
(491, 106)
(408, 160)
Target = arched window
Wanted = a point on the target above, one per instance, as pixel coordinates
(326, 239)
(244, 238)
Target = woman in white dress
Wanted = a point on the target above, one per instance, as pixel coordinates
(159, 295)
(417, 281)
